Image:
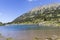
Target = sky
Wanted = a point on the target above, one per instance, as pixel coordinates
(11, 9)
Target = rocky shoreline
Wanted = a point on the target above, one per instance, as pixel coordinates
(49, 23)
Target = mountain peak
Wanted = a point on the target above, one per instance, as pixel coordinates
(45, 7)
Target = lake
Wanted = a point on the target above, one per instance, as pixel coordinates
(29, 32)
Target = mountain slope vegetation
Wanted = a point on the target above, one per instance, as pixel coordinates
(43, 13)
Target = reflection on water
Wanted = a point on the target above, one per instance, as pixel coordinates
(29, 32)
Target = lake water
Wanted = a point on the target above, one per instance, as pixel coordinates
(29, 32)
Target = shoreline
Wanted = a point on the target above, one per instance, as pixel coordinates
(43, 23)
(19, 24)
(50, 23)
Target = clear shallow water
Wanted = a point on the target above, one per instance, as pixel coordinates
(26, 27)
(28, 32)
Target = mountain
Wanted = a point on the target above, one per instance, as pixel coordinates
(43, 13)
(1, 24)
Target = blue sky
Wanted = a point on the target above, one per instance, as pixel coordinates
(11, 9)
